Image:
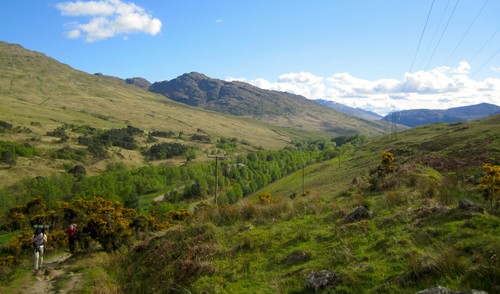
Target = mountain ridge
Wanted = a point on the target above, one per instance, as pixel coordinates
(359, 112)
(243, 99)
(35, 80)
(418, 117)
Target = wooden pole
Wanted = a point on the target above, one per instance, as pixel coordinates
(217, 157)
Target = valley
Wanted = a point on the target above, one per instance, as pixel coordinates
(310, 199)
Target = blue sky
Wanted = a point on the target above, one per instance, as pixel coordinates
(360, 53)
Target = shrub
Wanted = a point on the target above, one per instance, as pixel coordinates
(165, 150)
(4, 126)
(387, 164)
(490, 183)
(106, 221)
(21, 241)
(265, 197)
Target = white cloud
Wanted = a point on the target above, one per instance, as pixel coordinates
(300, 78)
(108, 18)
(219, 20)
(439, 88)
(495, 69)
(463, 68)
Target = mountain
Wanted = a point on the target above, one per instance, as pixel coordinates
(138, 82)
(473, 112)
(243, 99)
(361, 113)
(235, 98)
(418, 117)
(39, 93)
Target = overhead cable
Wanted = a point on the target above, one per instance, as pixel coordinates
(421, 36)
(484, 45)
(435, 33)
(442, 34)
(467, 31)
(484, 63)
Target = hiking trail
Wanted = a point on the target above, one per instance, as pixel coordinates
(55, 276)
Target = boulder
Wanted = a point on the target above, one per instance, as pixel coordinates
(317, 281)
(468, 205)
(359, 213)
(442, 290)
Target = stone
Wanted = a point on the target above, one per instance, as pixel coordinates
(468, 205)
(317, 281)
(442, 290)
(359, 213)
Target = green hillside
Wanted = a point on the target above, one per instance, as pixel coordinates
(131, 168)
(417, 237)
(38, 95)
(37, 89)
(426, 224)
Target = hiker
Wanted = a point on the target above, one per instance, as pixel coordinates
(71, 233)
(39, 239)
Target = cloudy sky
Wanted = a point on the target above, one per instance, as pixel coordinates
(380, 55)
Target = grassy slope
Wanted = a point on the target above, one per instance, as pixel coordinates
(35, 88)
(39, 93)
(416, 239)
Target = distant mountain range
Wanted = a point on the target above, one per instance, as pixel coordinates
(418, 117)
(243, 99)
(361, 113)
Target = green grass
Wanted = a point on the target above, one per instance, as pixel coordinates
(417, 238)
(4, 238)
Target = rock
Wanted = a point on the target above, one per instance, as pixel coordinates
(468, 205)
(359, 213)
(317, 281)
(48, 271)
(442, 290)
(430, 207)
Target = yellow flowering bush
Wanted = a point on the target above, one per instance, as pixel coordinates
(265, 197)
(490, 183)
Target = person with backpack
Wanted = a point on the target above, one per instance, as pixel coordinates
(71, 233)
(39, 239)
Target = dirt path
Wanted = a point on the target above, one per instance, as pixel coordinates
(56, 276)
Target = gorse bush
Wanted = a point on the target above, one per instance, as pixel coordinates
(107, 222)
(490, 184)
(387, 163)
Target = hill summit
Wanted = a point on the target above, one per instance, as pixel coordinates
(279, 108)
(237, 98)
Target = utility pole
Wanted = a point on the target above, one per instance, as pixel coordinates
(395, 115)
(303, 180)
(217, 157)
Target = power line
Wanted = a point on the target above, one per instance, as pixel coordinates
(435, 33)
(484, 45)
(421, 36)
(442, 34)
(466, 32)
(484, 63)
